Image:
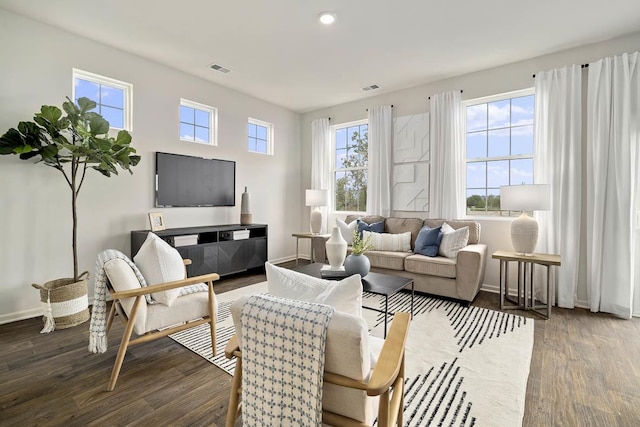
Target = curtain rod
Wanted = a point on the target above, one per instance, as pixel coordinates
(582, 66)
(368, 109)
(461, 91)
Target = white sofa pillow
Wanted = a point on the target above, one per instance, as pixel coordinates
(160, 263)
(389, 242)
(344, 295)
(347, 229)
(453, 240)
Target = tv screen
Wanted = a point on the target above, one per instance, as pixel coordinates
(194, 181)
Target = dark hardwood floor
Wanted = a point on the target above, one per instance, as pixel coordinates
(585, 371)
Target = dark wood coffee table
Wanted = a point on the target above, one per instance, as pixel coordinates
(376, 283)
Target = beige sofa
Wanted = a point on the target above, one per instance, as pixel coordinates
(459, 278)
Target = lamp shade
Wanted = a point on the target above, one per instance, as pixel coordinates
(530, 197)
(317, 197)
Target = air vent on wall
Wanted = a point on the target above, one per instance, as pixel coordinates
(220, 68)
(372, 87)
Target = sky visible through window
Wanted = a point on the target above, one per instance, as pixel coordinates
(110, 100)
(194, 124)
(499, 147)
(258, 138)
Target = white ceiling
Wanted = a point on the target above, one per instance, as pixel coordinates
(278, 51)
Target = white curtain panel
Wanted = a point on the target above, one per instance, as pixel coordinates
(379, 174)
(446, 134)
(613, 138)
(558, 162)
(321, 160)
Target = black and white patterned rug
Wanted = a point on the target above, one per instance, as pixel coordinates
(465, 366)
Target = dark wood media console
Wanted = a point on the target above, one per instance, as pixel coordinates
(212, 249)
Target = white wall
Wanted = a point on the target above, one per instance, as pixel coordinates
(507, 78)
(35, 211)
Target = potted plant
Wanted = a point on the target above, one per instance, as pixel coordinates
(357, 262)
(71, 144)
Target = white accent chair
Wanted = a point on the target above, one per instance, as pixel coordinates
(151, 321)
(364, 376)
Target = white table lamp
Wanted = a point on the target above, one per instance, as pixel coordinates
(524, 229)
(315, 199)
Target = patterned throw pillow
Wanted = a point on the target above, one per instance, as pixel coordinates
(428, 241)
(344, 295)
(347, 229)
(453, 240)
(160, 263)
(389, 242)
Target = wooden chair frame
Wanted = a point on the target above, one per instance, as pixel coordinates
(139, 295)
(386, 380)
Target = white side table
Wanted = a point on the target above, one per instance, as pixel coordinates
(526, 289)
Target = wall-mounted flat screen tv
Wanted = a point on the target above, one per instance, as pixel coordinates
(194, 181)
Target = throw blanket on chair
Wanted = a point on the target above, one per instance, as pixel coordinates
(98, 326)
(283, 343)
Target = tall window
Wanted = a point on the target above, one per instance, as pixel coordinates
(114, 98)
(260, 137)
(351, 142)
(499, 142)
(198, 122)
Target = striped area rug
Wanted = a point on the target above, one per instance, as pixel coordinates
(466, 366)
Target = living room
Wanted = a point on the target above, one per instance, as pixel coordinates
(35, 203)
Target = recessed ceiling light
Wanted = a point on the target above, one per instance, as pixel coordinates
(327, 18)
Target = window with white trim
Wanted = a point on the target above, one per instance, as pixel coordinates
(350, 166)
(198, 122)
(499, 148)
(260, 136)
(114, 97)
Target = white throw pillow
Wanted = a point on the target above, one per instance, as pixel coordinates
(389, 242)
(344, 295)
(347, 229)
(453, 240)
(160, 263)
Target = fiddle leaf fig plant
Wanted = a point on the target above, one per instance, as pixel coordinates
(71, 143)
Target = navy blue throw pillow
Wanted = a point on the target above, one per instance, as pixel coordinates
(428, 241)
(376, 227)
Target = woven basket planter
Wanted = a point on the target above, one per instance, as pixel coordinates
(65, 301)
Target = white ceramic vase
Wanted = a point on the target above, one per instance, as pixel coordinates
(336, 248)
(246, 217)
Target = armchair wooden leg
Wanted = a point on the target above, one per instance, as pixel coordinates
(112, 314)
(124, 344)
(212, 321)
(383, 410)
(234, 397)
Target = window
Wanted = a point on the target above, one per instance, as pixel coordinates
(260, 137)
(499, 148)
(351, 142)
(198, 122)
(114, 98)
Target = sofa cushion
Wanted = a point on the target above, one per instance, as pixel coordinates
(347, 229)
(428, 241)
(474, 227)
(160, 263)
(387, 259)
(389, 242)
(401, 225)
(433, 266)
(344, 295)
(453, 240)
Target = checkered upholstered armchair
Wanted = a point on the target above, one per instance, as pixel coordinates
(363, 375)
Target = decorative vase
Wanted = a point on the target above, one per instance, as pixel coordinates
(357, 264)
(246, 217)
(336, 248)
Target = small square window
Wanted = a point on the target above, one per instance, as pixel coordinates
(259, 137)
(113, 97)
(198, 122)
